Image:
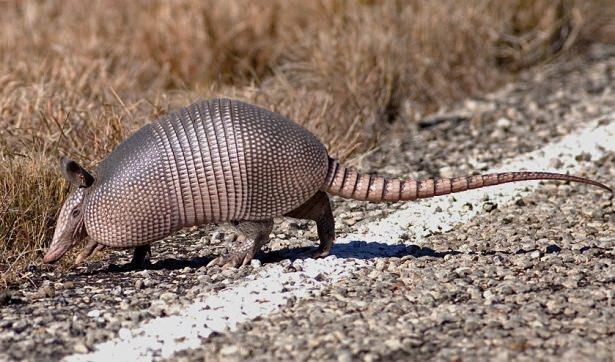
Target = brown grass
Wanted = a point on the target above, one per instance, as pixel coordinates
(76, 77)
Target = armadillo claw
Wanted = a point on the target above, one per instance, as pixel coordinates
(91, 248)
(79, 260)
(313, 254)
(231, 260)
(319, 253)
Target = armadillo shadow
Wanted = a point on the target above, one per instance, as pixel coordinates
(364, 250)
(356, 249)
(161, 264)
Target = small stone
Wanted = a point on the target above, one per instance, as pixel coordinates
(584, 156)
(298, 264)
(446, 172)
(285, 263)
(393, 344)
(554, 307)
(228, 350)
(168, 296)
(535, 254)
(489, 206)
(94, 313)
(555, 163)
(490, 298)
(148, 282)
(374, 274)
(158, 308)
(463, 271)
(68, 285)
(139, 284)
(20, 326)
(503, 122)
(255, 263)
(45, 291)
(350, 221)
(228, 272)
(80, 348)
(204, 279)
(217, 236)
(369, 357)
(124, 333)
(124, 305)
(344, 356)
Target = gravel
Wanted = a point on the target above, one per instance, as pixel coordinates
(550, 298)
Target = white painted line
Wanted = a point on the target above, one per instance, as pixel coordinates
(271, 287)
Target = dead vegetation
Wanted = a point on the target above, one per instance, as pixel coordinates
(76, 77)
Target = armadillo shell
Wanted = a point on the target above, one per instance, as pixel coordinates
(213, 161)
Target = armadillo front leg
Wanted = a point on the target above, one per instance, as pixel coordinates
(88, 250)
(253, 235)
(318, 208)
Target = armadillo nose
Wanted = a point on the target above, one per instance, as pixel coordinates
(50, 258)
(55, 253)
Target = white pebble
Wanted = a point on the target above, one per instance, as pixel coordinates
(255, 263)
(503, 123)
(124, 333)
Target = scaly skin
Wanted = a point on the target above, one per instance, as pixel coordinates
(350, 184)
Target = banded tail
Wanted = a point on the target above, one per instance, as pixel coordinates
(350, 184)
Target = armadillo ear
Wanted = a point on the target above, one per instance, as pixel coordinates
(74, 173)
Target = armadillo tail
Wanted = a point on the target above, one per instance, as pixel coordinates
(350, 184)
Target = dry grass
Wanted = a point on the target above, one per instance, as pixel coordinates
(76, 77)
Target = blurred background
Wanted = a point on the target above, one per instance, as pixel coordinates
(76, 77)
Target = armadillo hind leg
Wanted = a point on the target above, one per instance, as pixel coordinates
(318, 209)
(139, 257)
(253, 235)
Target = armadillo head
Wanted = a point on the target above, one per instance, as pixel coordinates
(70, 227)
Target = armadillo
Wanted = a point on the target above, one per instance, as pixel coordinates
(220, 161)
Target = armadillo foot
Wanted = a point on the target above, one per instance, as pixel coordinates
(318, 208)
(231, 260)
(313, 254)
(90, 248)
(320, 253)
(254, 234)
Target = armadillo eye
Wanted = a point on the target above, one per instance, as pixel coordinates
(76, 212)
